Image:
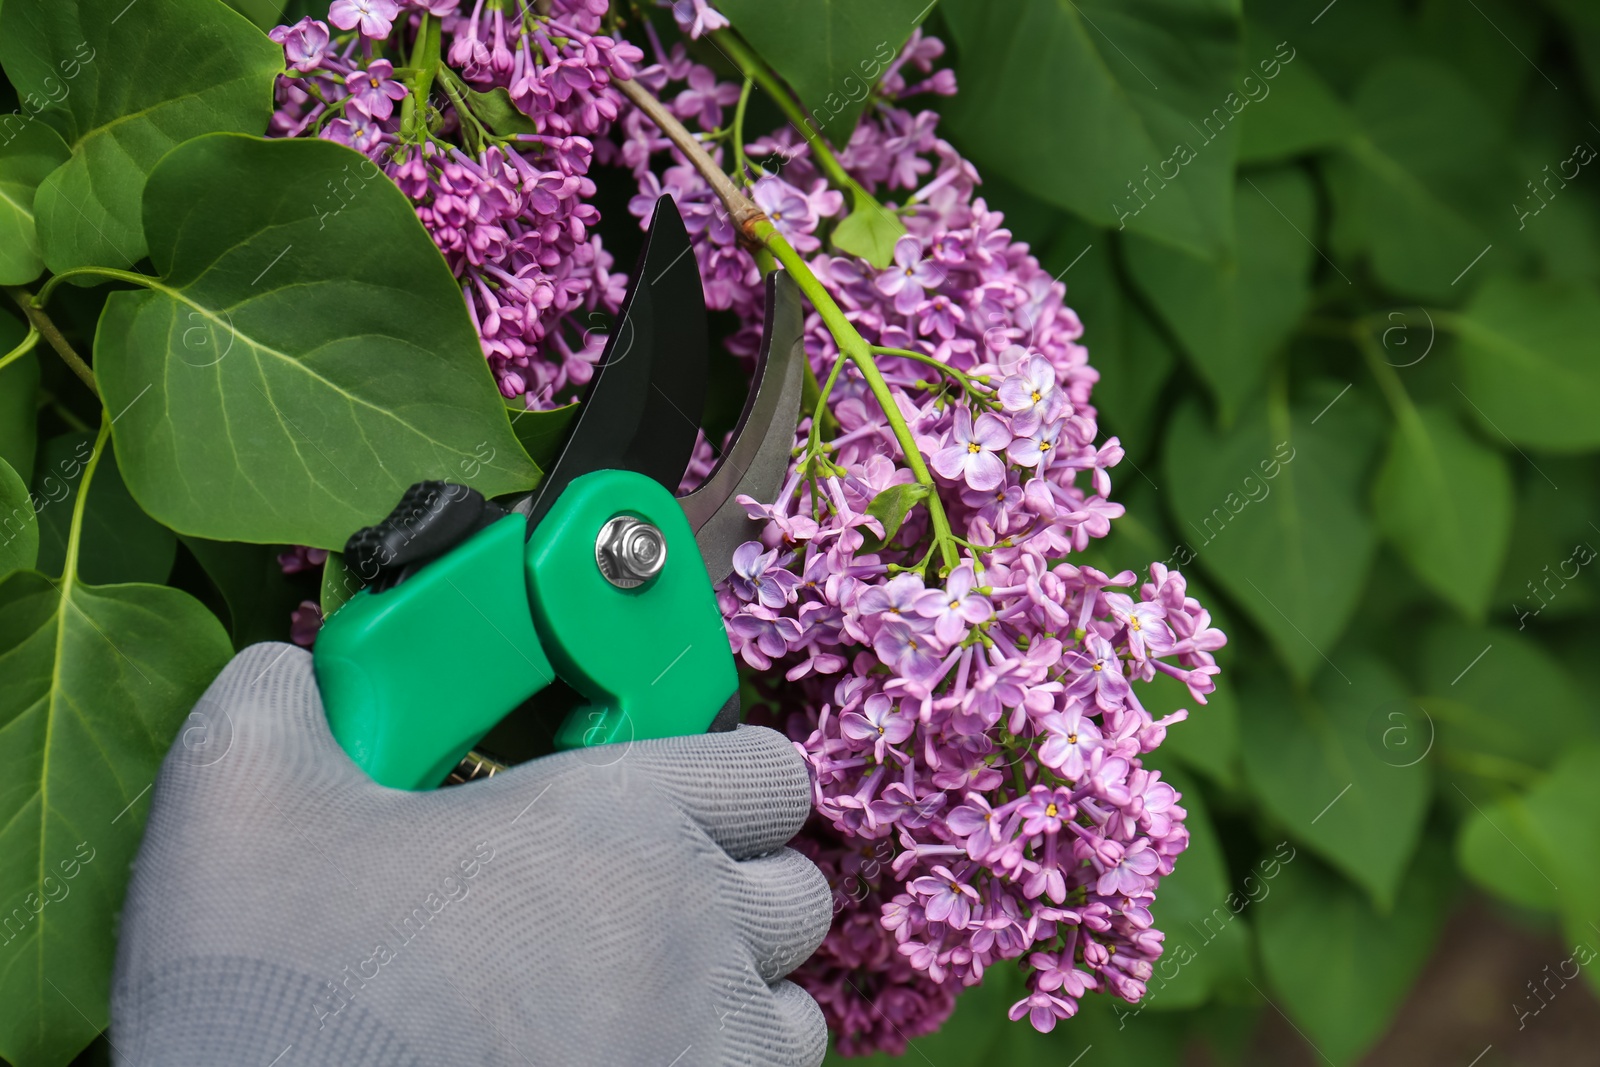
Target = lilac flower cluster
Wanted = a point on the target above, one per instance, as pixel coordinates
(982, 725)
(509, 210)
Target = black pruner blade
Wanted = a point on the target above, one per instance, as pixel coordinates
(642, 409)
(757, 458)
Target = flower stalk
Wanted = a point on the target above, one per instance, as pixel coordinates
(759, 232)
(33, 308)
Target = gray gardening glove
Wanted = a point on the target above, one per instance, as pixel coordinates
(630, 904)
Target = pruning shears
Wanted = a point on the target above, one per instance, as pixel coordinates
(600, 577)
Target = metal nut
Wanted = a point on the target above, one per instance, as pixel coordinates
(629, 552)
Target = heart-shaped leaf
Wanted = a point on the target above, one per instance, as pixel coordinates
(259, 596)
(496, 111)
(97, 682)
(339, 584)
(25, 160)
(831, 52)
(1475, 676)
(1305, 114)
(306, 358)
(1444, 501)
(1233, 314)
(124, 84)
(1272, 510)
(1313, 760)
(1421, 189)
(1127, 346)
(120, 543)
(19, 393)
(542, 433)
(1540, 850)
(19, 526)
(869, 231)
(890, 508)
(1531, 356)
(1341, 968)
(1148, 140)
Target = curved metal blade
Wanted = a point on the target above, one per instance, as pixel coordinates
(642, 410)
(757, 460)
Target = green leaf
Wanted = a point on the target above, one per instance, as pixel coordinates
(19, 394)
(1125, 346)
(339, 584)
(25, 160)
(1473, 38)
(1444, 501)
(890, 508)
(1530, 357)
(1207, 944)
(1339, 968)
(869, 231)
(19, 526)
(542, 433)
(831, 52)
(1547, 576)
(1233, 314)
(128, 83)
(260, 597)
(1148, 139)
(1272, 510)
(120, 542)
(1348, 40)
(1305, 115)
(1502, 847)
(1421, 191)
(1547, 844)
(496, 111)
(264, 13)
(97, 682)
(1476, 676)
(305, 362)
(1320, 767)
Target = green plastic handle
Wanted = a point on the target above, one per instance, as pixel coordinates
(413, 677)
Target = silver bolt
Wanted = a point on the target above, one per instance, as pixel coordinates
(629, 552)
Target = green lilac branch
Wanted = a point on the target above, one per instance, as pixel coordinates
(759, 232)
(69, 568)
(425, 56)
(33, 308)
(755, 70)
(970, 383)
(741, 163)
(49, 287)
(22, 349)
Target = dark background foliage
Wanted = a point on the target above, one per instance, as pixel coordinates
(1381, 247)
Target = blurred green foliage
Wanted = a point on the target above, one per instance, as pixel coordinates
(1355, 245)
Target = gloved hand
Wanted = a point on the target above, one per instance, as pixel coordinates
(630, 904)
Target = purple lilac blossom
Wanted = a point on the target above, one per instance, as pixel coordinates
(975, 742)
(513, 218)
